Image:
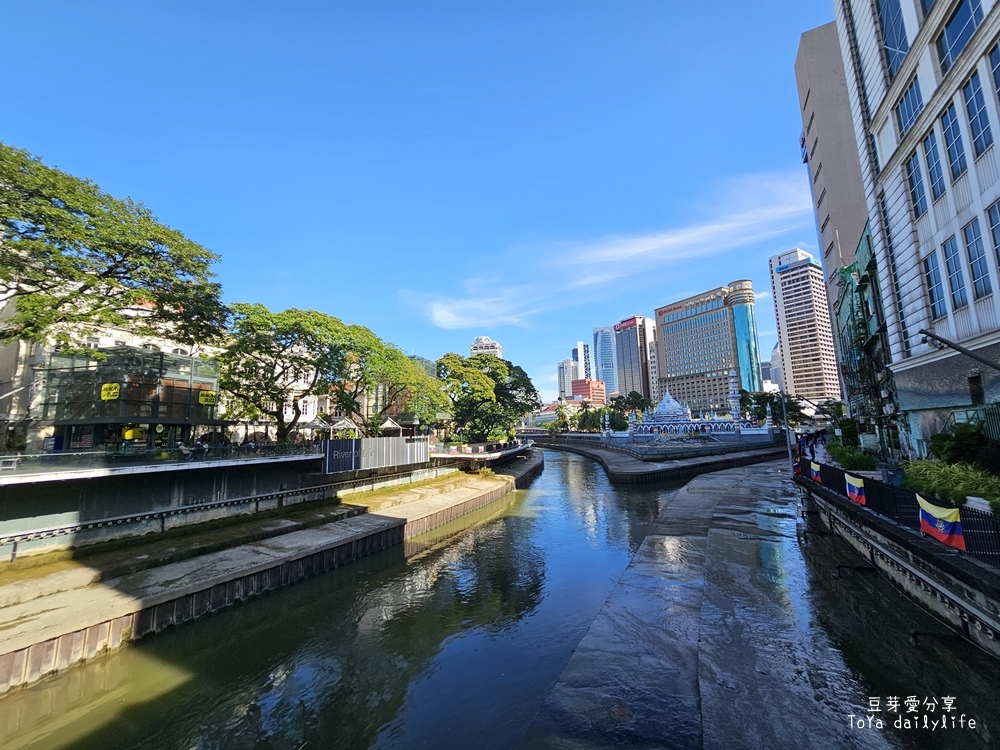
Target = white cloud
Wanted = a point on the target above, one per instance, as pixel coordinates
(758, 296)
(757, 208)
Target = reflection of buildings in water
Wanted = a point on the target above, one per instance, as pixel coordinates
(621, 514)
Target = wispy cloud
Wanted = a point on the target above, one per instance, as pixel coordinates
(741, 212)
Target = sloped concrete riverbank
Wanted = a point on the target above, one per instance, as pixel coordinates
(716, 636)
(80, 616)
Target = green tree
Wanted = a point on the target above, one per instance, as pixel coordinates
(488, 395)
(756, 405)
(635, 402)
(274, 359)
(73, 256)
(378, 377)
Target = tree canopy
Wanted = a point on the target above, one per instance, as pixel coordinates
(381, 373)
(489, 395)
(72, 255)
(275, 359)
(756, 404)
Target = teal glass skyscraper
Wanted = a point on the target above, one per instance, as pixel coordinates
(700, 339)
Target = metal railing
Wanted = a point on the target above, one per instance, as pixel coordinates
(163, 515)
(34, 463)
(980, 529)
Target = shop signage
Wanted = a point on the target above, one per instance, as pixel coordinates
(110, 391)
(207, 398)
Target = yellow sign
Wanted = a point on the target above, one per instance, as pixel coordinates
(207, 398)
(110, 391)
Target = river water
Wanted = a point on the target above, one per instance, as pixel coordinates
(453, 642)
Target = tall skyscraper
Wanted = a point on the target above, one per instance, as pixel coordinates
(566, 377)
(654, 373)
(485, 345)
(701, 339)
(632, 337)
(829, 149)
(605, 362)
(932, 184)
(808, 364)
(581, 356)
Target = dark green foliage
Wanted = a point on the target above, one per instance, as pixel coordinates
(489, 395)
(965, 441)
(74, 256)
(851, 458)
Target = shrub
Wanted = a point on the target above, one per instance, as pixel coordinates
(850, 458)
(951, 482)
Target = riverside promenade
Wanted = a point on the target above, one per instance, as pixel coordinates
(624, 469)
(53, 616)
(717, 636)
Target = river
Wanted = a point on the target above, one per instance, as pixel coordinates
(453, 641)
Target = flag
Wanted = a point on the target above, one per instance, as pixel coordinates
(798, 466)
(944, 524)
(855, 488)
(814, 472)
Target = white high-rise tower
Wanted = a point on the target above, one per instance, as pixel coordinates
(805, 336)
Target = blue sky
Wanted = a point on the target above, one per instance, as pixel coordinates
(438, 170)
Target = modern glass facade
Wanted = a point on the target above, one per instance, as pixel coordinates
(701, 339)
(604, 358)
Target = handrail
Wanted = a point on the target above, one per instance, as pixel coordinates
(162, 515)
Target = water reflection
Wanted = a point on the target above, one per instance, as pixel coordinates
(460, 637)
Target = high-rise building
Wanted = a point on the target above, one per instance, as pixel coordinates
(932, 183)
(654, 374)
(485, 345)
(591, 390)
(632, 337)
(829, 148)
(776, 374)
(702, 338)
(581, 356)
(566, 377)
(801, 310)
(605, 362)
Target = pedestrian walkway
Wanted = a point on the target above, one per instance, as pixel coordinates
(698, 645)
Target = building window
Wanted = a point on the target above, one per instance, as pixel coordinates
(956, 281)
(958, 30)
(979, 121)
(977, 259)
(917, 195)
(934, 287)
(909, 107)
(994, 214)
(953, 142)
(894, 44)
(873, 149)
(995, 67)
(934, 173)
(927, 5)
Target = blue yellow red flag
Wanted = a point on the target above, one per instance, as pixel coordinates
(944, 524)
(855, 488)
(814, 472)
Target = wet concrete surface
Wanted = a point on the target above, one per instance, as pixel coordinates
(718, 635)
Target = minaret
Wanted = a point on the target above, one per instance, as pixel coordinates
(734, 396)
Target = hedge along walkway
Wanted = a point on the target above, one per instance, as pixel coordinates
(76, 617)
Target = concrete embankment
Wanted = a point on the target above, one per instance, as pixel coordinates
(624, 469)
(76, 618)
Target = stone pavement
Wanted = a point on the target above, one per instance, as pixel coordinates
(702, 643)
(623, 468)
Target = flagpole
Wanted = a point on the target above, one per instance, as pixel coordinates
(788, 438)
